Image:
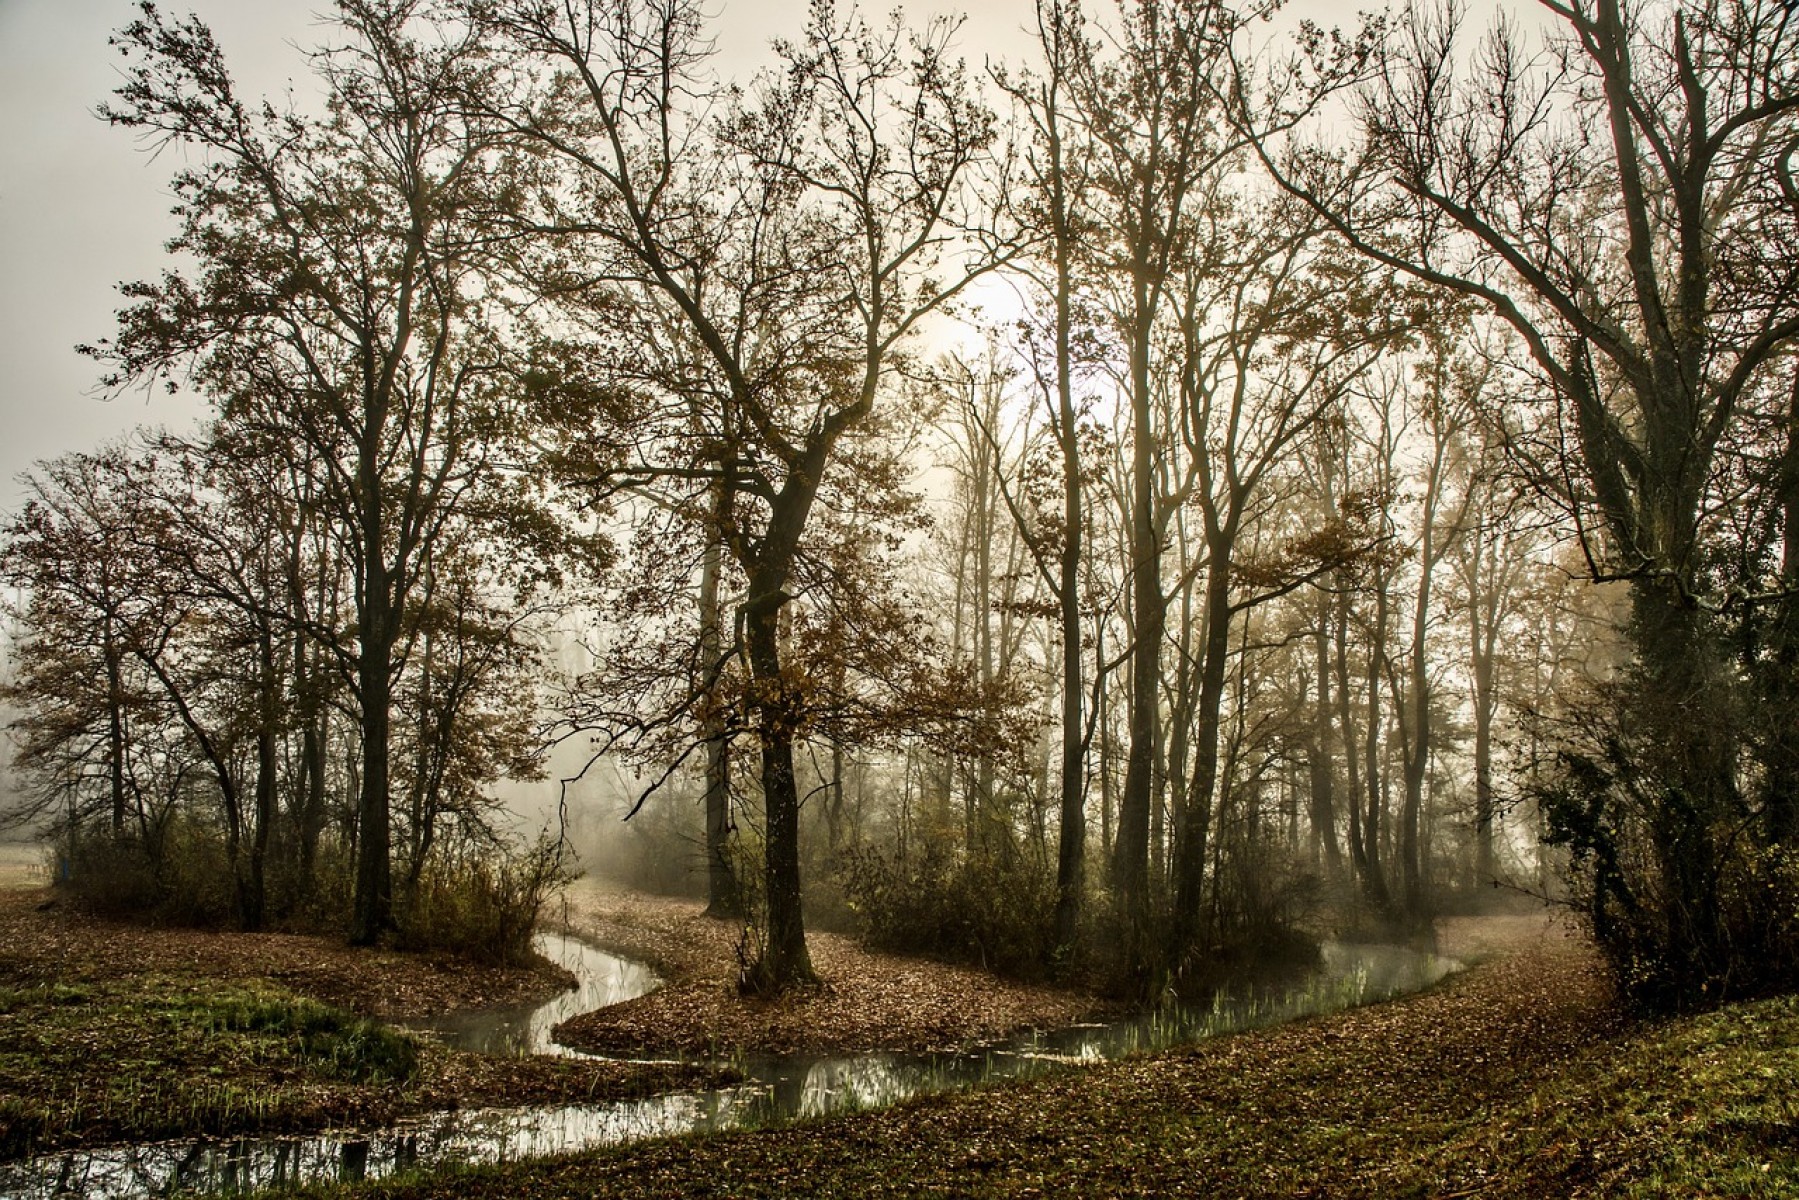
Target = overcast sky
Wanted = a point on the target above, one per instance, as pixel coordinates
(83, 206)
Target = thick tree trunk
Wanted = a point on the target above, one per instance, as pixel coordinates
(1682, 697)
(776, 708)
(785, 959)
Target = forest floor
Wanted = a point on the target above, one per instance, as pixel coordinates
(111, 1032)
(866, 1000)
(1516, 1078)
(115, 1032)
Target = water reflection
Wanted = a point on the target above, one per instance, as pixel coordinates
(601, 979)
(778, 1088)
(241, 1166)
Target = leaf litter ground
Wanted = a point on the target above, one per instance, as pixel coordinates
(866, 1001)
(1519, 1078)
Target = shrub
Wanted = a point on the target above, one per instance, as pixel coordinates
(1692, 900)
(180, 875)
(479, 901)
(483, 906)
(995, 910)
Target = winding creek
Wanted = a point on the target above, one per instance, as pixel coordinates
(775, 1088)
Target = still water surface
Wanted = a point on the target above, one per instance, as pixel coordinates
(776, 1088)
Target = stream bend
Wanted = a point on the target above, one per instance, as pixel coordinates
(777, 1088)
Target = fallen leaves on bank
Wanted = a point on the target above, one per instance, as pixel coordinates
(43, 939)
(865, 1001)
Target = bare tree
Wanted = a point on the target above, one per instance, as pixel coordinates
(797, 239)
(335, 304)
(1620, 197)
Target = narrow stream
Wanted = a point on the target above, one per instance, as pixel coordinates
(600, 979)
(776, 1088)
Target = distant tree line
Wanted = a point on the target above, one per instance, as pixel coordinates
(1234, 569)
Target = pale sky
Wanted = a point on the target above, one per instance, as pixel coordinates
(83, 206)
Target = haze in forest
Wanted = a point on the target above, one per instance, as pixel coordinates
(1374, 494)
(83, 208)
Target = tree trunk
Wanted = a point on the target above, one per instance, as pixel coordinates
(1374, 877)
(1415, 760)
(372, 910)
(267, 773)
(1682, 696)
(1130, 855)
(722, 895)
(371, 914)
(1071, 855)
(1481, 637)
(115, 725)
(1321, 775)
(1346, 730)
(312, 790)
(785, 959)
(1782, 787)
(1192, 833)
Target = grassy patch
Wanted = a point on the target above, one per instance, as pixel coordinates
(155, 1057)
(1518, 1080)
(1698, 1106)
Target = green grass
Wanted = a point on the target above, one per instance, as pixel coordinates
(1699, 1106)
(154, 1057)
